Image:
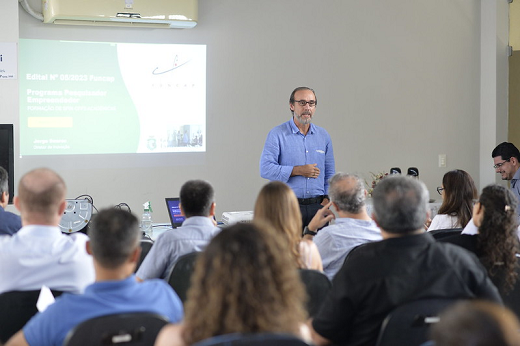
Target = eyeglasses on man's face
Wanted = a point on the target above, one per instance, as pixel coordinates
(500, 164)
(439, 190)
(302, 103)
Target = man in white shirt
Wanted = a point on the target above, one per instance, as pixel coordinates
(39, 254)
(198, 206)
(353, 227)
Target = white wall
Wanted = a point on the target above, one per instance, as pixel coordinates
(398, 84)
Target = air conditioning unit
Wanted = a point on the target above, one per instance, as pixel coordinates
(130, 13)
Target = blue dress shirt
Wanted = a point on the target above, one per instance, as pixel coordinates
(286, 147)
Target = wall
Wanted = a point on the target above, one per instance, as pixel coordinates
(398, 84)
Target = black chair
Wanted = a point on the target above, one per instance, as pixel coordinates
(271, 339)
(16, 308)
(408, 324)
(317, 286)
(181, 274)
(146, 246)
(443, 233)
(136, 329)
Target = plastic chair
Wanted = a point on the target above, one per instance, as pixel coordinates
(317, 286)
(136, 329)
(408, 324)
(443, 233)
(181, 274)
(16, 308)
(146, 246)
(271, 339)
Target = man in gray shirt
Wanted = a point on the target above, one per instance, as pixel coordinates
(353, 227)
(198, 206)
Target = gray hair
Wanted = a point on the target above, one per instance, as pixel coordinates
(114, 235)
(400, 204)
(4, 181)
(349, 200)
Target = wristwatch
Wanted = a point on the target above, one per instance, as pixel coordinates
(307, 231)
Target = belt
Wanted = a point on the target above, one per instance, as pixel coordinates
(307, 201)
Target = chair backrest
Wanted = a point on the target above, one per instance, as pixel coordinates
(181, 274)
(408, 324)
(136, 329)
(317, 286)
(271, 339)
(16, 308)
(146, 246)
(443, 233)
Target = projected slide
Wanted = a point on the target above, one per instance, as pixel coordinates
(105, 98)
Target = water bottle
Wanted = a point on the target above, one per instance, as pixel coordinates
(146, 220)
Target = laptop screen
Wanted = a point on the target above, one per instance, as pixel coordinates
(174, 211)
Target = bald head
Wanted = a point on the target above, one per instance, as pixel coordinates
(41, 196)
(347, 192)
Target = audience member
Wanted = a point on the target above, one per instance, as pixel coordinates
(476, 323)
(353, 227)
(407, 265)
(244, 282)
(114, 244)
(197, 204)
(458, 192)
(496, 243)
(9, 223)
(277, 204)
(506, 158)
(39, 254)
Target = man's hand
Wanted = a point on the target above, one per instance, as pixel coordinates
(322, 217)
(310, 171)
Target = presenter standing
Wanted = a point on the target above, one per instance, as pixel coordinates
(300, 154)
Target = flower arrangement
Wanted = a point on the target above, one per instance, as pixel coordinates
(376, 178)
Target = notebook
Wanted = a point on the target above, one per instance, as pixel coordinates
(174, 211)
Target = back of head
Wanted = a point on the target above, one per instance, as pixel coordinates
(114, 235)
(400, 204)
(506, 150)
(41, 191)
(498, 239)
(476, 323)
(4, 181)
(348, 192)
(244, 282)
(459, 193)
(277, 204)
(196, 197)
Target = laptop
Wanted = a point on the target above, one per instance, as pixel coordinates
(174, 211)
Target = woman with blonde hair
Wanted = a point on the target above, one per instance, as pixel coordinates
(277, 204)
(243, 283)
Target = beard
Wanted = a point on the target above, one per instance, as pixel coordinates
(303, 121)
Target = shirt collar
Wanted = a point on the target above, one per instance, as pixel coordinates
(295, 128)
(41, 229)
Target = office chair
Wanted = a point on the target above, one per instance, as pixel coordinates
(16, 308)
(271, 339)
(408, 324)
(146, 246)
(136, 329)
(443, 233)
(181, 274)
(317, 286)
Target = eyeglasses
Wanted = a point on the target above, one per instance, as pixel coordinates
(302, 103)
(500, 164)
(439, 190)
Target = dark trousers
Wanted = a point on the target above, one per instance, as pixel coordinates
(308, 211)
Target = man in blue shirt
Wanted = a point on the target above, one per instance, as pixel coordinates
(300, 154)
(10, 223)
(114, 244)
(506, 159)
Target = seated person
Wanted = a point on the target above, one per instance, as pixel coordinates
(9, 223)
(244, 282)
(114, 244)
(39, 254)
(353, 227)
(476, 323)
(407, 265)
(277, 204)
(197, 204)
